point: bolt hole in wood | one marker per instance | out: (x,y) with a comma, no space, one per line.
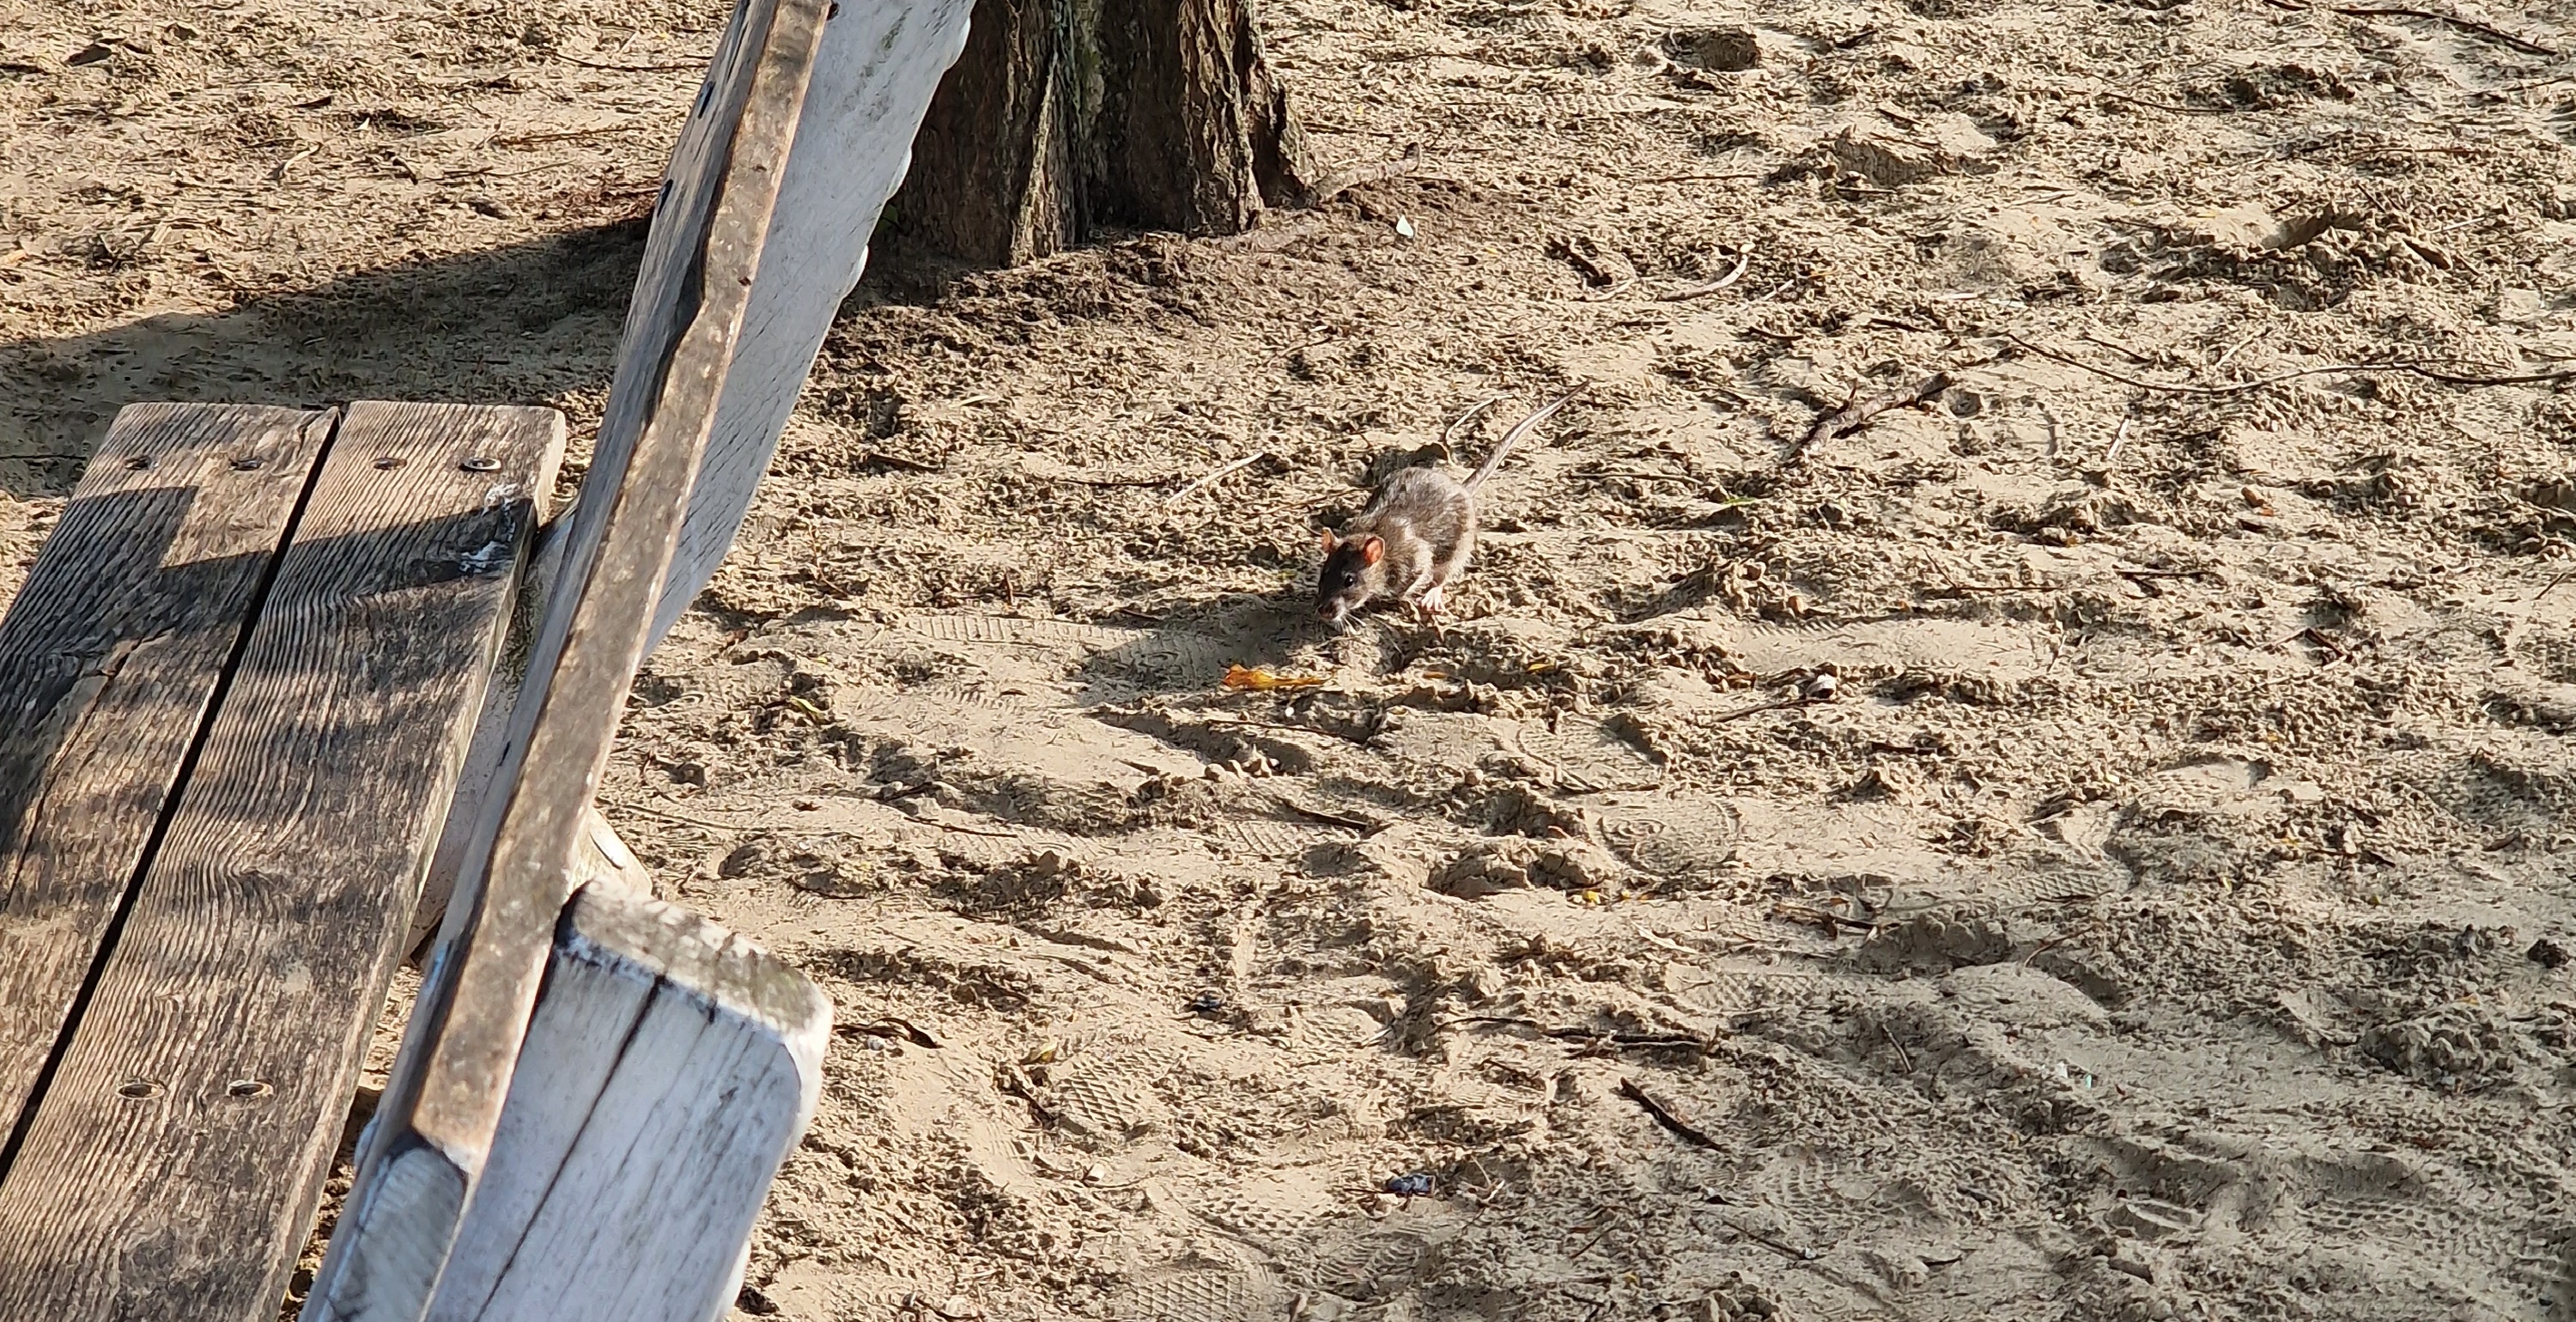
(141,1090)
(479,464)
(389,463)
(249,465)
(247,1088)
(141,463)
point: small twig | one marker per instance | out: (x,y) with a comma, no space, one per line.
(1111,481)
(531,139)
(683,67)
(2328,645)
(1688,1132)
(279,174)
(2166,106)
(1703,178)
(2111,458)
(681,818)
(1759,708)
(2428,371)
(1450,433)
(1901,1057)
(1854,416)
(1203,483)
(1347,823)
(1742,260)
(2400,11)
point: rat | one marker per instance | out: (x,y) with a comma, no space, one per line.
(1414,538)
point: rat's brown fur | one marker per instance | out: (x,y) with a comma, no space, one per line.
(1415,537)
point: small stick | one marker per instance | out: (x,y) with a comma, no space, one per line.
(1901,1057)
(2426,370)
(2401,11)
(1203,483)
(2112,459)
(1690,1133)
(632,68)
(1852,417)
(1742,260)
(531,139)
(2165,106)
(1451,433)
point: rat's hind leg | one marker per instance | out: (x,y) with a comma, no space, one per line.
(1446,570)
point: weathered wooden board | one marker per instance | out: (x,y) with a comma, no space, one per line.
(873,80)
(670,1068)
(433,1128)
(108,658)
(175,1158)
(873,77)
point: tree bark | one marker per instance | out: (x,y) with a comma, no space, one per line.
(1065,115)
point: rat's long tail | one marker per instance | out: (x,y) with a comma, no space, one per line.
(1510,438)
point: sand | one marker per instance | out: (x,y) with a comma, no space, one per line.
(2091,846)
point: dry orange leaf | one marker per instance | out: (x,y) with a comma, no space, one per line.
(1258,679)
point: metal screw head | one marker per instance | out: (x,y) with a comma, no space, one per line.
(389,463)
(479,464)
(249,465)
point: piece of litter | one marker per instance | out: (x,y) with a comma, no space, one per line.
(1259,679)
(482,560)
(1404,227)
(1409,1186)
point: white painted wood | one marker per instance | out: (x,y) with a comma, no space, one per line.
(873,79)
(719,336)
(872,83)
(671,1066)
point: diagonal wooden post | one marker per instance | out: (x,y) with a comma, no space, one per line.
(798,136)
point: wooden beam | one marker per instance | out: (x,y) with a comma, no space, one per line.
(176,1157)
(709,287)
(433,1127)
(671,1066)
(874,77)
(108,659)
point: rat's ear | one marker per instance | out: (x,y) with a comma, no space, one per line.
(1372,550)
(1330,541)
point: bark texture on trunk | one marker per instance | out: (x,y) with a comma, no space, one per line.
(1066,114)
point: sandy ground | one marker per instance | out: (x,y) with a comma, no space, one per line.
(2158,913)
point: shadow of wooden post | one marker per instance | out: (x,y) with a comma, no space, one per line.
(505,1174)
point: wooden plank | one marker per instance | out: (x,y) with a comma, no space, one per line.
(704,270)
(874,75)
(433,1127)
(669,1069)
(873,80)
(108,658)
(176,1157)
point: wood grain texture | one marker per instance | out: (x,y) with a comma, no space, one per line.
(449,1081)
(873,80)
(176,1158)
(108,658)
(671,1066)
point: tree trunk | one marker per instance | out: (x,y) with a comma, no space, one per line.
(1066,114)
